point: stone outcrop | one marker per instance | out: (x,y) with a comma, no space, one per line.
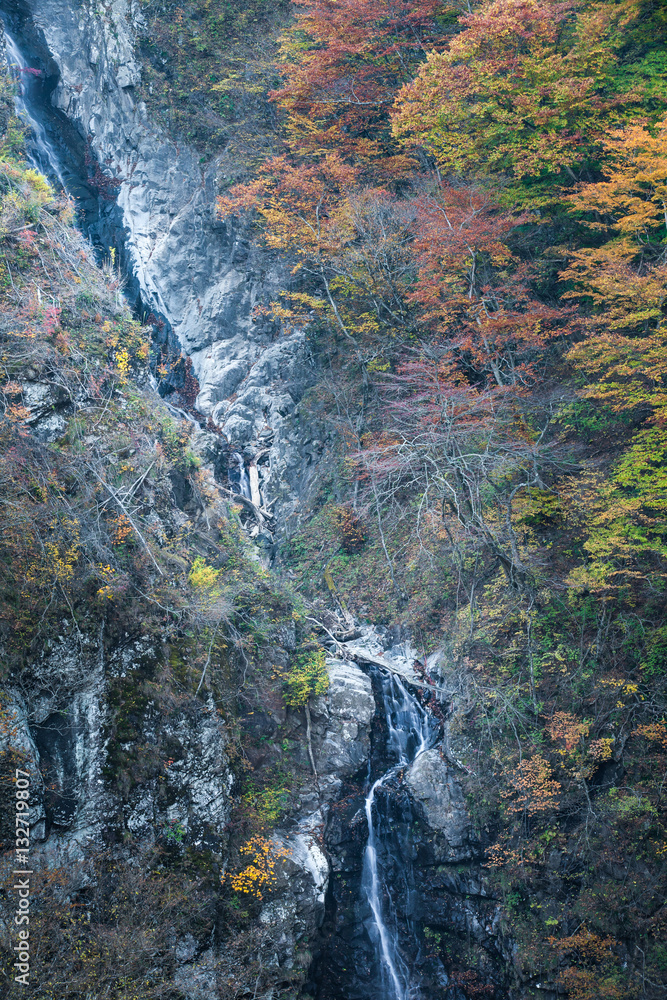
(440,804)
(198,785)
(61,725)
(342,721)
(292,918)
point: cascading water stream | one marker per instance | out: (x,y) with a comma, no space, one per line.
(42,155)
(244,481)
(409,734)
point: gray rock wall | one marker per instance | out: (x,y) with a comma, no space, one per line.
(343,717)
(60,711)
(341,746)
(188,267)
(437,794)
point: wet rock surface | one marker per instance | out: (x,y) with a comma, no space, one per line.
(340,739)
(293,917)
(429,866)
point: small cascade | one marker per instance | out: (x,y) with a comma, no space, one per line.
(238,476)
(409,733)
(42,153)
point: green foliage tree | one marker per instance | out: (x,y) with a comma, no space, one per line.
(527,88)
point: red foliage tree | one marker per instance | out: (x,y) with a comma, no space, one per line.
(474,292)
(344,61)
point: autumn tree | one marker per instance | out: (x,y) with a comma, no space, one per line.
(524,88)
(263,858)
(342,64)
(351,251)
(474,293)
(466,422)
(622,286)
(590,967)
(532,789)
(459,455)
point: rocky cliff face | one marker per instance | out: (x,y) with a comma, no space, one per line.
(197,276)
(432,886)
(76,715)
(341,747)
(62,711)
(440,806)
(60,722)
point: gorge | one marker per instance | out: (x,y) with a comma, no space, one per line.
(136,235)
(333,674)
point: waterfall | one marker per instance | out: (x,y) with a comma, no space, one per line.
(43,155)
(409,733)
(243,480)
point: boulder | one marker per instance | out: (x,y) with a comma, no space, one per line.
(342,720)
(439,802)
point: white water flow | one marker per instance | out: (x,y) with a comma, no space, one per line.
(44,157)
(408,735)
(244,481)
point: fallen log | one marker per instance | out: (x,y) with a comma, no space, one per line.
(263,517)
(362,656)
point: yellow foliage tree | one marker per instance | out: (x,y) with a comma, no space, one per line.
(623,286)
(625,280)
(260,875)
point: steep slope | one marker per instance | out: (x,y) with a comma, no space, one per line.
(429,325)
(198,281)
(145,653)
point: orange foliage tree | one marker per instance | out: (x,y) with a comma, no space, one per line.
(532,790)
(622,285)
(624,282)
(590,967)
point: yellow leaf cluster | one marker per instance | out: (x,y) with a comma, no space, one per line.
(260,875)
